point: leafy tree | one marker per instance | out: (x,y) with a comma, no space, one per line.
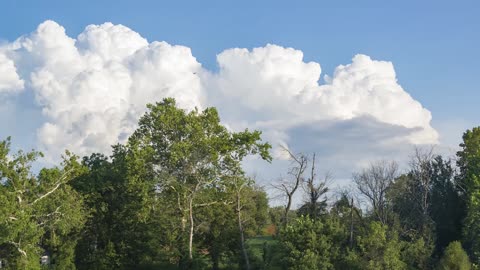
(416,253)
(187,154)
(469,165)
(379,248)
(38,214)
(455,258)
(312,244)
(119,232)
(447,209)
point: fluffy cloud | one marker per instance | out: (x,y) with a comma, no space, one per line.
(9,79)
(273,89)
(92,89)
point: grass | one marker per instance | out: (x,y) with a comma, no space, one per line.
(264,253)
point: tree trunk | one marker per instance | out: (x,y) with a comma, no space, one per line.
(287,209)
(190,239)
(242,237)
(351,224)
(215,260)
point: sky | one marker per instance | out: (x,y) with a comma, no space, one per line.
(354,82)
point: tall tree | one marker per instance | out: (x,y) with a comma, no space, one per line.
(447,209)
(115,235)
(469,165)
(187,153)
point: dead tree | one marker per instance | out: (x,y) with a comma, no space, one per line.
(315,189)
(373,184)
(290,185)
(421,175)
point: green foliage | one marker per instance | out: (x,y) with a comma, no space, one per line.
(312,244)
(445,209)
(176,197)
(416,254)
(190,158)
(380,248)
(39,214)
(455,258)
(469,164)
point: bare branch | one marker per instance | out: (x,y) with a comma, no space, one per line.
(373,183)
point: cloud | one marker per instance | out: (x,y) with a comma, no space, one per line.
(9,79)
(92,89)
(274,84)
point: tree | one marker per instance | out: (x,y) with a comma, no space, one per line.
(312,244)
(288,187)
(349,215)
(444,205)
(116,232)
(422,175)
(379,248)
(315,189)
(239,185)
(455,258)
(187,153)
(447,209)
(469,165)
(38,212)
(373,184)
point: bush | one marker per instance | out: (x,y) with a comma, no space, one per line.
(455,258)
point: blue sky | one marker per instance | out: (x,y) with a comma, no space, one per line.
(433,46)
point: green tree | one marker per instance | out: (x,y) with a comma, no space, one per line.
(187,154)
(312,244)
(447,209)
(469,165)
(39,213)
(455,258)
(379,248)
(119,233)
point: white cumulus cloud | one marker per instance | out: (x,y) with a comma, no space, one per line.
(93,88)
(9,79)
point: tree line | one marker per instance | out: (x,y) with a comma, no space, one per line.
(175,196)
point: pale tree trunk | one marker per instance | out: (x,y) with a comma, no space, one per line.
(190,239)
(240,228)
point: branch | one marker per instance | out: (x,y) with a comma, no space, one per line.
(23,252)
(212,203)
(53,190)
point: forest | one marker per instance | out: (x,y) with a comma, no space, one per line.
(176,196)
